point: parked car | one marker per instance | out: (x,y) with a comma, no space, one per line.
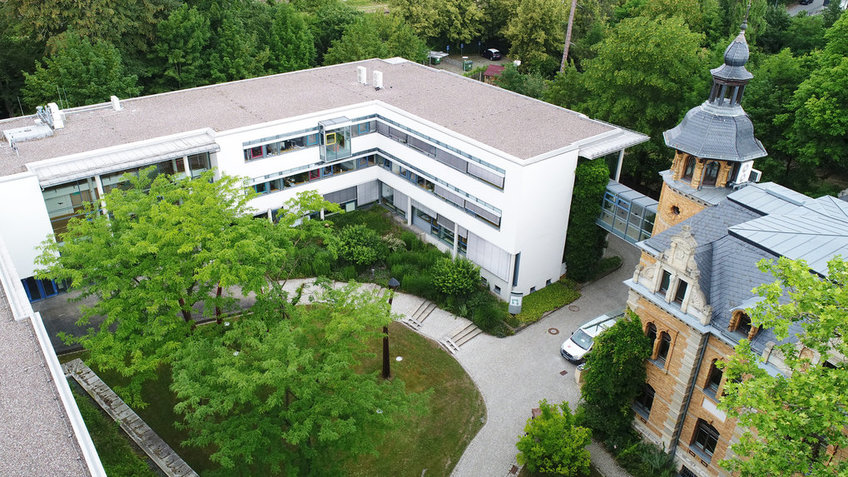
(580,343)
(805,2)
(492,54)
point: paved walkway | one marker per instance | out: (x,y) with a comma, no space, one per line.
(515,373)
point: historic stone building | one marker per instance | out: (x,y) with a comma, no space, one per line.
(697,271)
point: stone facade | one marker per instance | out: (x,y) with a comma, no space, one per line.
(674,208)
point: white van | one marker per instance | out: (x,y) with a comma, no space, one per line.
(575,348)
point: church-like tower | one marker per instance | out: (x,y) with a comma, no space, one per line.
(715,144)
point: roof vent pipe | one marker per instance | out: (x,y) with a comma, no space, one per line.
(361,75)
(378,80)
(116,103)
(56,114)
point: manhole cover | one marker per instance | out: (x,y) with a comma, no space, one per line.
(573,308)
(553,331)
(563,372)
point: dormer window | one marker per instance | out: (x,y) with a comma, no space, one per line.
(666,281)
(680,293)
(689,168)
(711,174)
(741,324)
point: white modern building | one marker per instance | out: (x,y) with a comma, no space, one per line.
(477,170)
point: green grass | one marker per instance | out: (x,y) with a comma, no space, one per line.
(434,441)
(593,472)
(118,455)
(553,296)
(367,6)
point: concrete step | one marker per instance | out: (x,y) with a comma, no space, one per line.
(411,323)
(426,312)
(449,345)
(469,336)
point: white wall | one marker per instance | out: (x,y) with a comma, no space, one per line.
(24,219)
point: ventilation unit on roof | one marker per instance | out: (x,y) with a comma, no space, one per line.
(362,75)
(56,113)
(378,80)
(116,103)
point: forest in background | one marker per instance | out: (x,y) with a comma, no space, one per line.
(640,64)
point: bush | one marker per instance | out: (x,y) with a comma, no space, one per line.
(456,278)
(358,244)
(553,444)
(347,273)
(322,263)
(411,240)
(553,296)
(585,240)
(642,459)
(420,284)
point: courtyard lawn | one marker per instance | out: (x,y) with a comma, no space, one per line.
(554,296)
(434,441)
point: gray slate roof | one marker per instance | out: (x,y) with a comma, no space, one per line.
(735,57)
(718,132)
(760,221)
(709,195)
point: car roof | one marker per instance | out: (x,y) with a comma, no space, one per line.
(493,49)
(596,326)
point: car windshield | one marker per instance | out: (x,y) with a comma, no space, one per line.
(581,339)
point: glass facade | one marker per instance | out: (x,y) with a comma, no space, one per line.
(627,213)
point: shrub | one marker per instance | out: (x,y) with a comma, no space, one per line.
(420,284)
(642,459)
(322,263)
(411,240)
(393,243)
(347,273)
(357,244)
(553,444)
(455,277)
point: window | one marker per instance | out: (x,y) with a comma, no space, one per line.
(665,345)
(666,281)
(680,293)
(711,173)
(547,282)
(685,472)
(497,289)
(713,380)
(741,324)
(651,332)
(689,168)
(645,401)
(675,210)
(705,439)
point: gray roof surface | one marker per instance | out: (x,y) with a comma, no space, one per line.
(759,221)
(35,435)
(512,123)
(715,131)
(735,57)
(710,195)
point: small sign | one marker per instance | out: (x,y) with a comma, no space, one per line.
(515,302)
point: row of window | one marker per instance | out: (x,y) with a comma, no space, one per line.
(680,287)
(704,438)
(396,167)
(280,147)
(442,232)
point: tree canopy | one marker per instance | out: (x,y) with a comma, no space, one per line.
(377,36)
(553,444)
(794,421)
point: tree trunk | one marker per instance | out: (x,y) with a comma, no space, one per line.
(218,305)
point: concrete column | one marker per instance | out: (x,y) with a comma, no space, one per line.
(408,210)
(185,165)
(455,240)
(618,167)
(100,193)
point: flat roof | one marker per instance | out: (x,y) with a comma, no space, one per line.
(36,437)
(517,125)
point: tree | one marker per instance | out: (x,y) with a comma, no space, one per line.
(357,244)
(328,20)
(181,40)
(536,34)
(584,242)
(284,390)
(613,377)
(291,43)
(441,21)
(79,72)
(634,82)
(166,247)
(553,444)
(793,421)
(235,51)
(531,84)
(457,277)
(17,55)
(377,36)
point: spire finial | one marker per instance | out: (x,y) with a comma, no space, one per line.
(744,25)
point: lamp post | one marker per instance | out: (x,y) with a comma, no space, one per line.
(393,286)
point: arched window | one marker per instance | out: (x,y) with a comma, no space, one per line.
(713,380)
(665,346)
(689,168)
(651,332)
(645,401)
(705,438)
(741,323)
(711,173)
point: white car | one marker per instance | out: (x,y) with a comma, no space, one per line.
(575,348)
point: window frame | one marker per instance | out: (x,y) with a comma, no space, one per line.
(703,433)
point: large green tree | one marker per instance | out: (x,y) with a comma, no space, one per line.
(635,81)
(613,377)
(537,34)
(235,52)
(291,43)
(167,248)
(442,21)
(793,421)
(553,444)
(81,71)
(285,391)
(377,36)
(181,41)
(17,55)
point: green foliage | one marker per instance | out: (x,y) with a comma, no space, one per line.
(235,52)
(180,43)
(456,277)
(167,245)
(82,71)
(441,21)
(328,20)
(537,34)
(289,375)
(291,43)
(642,459)
(357,244)
(792,420)
(532,84)
(584,242)
(377,36)
(553,444)
(613,376)
(113,446)
(552,297)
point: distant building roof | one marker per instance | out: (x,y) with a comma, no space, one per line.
(493,70)
(519,126)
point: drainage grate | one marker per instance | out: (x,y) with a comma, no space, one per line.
(573,308)
(553,331)
(563,372)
